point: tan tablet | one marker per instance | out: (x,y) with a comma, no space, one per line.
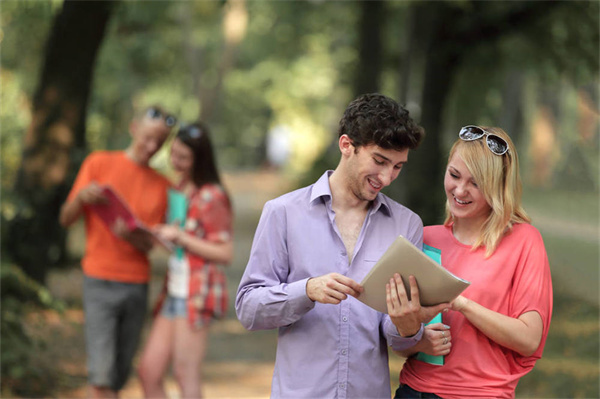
(436,284)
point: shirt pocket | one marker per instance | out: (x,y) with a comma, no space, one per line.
(364,263)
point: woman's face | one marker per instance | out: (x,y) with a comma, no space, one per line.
(464,196)
(182,157)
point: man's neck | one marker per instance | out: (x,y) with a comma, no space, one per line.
(131,155)
(342,197)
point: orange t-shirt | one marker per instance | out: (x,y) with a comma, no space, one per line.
(145,192)
(514,280)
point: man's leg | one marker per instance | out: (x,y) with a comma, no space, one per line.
(132,315)
(100,336)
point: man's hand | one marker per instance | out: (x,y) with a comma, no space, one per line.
(141,239)
(332,288)
(407,315)
(91,194)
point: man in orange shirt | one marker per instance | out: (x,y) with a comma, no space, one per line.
(115,264)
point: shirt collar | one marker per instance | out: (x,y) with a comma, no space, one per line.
(321,189)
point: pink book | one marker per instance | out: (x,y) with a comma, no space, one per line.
(116,208)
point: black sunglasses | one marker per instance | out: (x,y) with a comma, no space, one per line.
(191,131)
(496,144)
(155,113)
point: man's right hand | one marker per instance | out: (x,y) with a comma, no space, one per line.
(332,288)
(91,194)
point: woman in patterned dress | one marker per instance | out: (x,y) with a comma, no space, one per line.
(195,289)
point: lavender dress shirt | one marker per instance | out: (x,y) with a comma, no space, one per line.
(323,350)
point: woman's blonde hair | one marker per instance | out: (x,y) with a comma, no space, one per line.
(497,177)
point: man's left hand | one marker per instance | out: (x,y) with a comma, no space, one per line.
(407,315)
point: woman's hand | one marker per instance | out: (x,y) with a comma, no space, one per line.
(169,232)
(459,303)
(437,340)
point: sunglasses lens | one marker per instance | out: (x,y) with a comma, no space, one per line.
(154,113)
(170,120)
(194,132)
(496,144)
(469,133)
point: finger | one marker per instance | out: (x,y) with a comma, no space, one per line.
(353,288)
(397,299)
(388,298)
(414,290)
(400,287)
(335,290)
(436,326)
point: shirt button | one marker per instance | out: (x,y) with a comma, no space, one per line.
(342,386)
(344,351)
(344,319)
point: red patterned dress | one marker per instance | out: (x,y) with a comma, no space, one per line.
(208,217)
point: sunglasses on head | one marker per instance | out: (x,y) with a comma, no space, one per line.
(155,113)
(496,144)
(193,132)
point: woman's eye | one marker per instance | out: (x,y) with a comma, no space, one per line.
(453,175)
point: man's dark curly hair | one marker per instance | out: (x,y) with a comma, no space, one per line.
(377,119)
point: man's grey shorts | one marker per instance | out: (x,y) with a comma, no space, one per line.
(114,317)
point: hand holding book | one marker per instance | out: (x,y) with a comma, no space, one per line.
(120,220)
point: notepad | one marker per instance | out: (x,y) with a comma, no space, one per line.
(436,284)
(116,209)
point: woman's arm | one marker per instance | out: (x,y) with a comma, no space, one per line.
(218,252)
(522,335)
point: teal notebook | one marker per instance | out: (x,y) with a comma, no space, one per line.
(176,213)
(436,255)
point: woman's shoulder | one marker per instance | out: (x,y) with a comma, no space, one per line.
(522,235)
(210,192)
(433,234)
(524,230)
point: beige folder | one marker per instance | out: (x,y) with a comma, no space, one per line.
(436,284)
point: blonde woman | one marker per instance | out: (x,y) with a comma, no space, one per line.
(493,334)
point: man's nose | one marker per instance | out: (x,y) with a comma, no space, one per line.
(387,176)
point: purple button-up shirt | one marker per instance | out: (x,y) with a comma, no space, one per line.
(323,350)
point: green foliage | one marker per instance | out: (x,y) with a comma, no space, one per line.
(20,371)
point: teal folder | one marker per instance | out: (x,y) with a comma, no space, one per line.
(436,255)
(176,213)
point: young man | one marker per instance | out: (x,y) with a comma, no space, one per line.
(116,267)
(312,246)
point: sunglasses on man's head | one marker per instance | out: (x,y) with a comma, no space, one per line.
(155,113)
(496,144)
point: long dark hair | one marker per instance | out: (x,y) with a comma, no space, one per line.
(204,168)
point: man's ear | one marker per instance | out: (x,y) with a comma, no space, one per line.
(345,144)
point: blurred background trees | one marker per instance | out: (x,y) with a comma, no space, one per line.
(73,72)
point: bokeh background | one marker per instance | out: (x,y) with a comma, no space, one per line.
(272,79)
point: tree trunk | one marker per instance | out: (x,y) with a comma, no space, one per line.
(370,59)
(235,24)
(54,143)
